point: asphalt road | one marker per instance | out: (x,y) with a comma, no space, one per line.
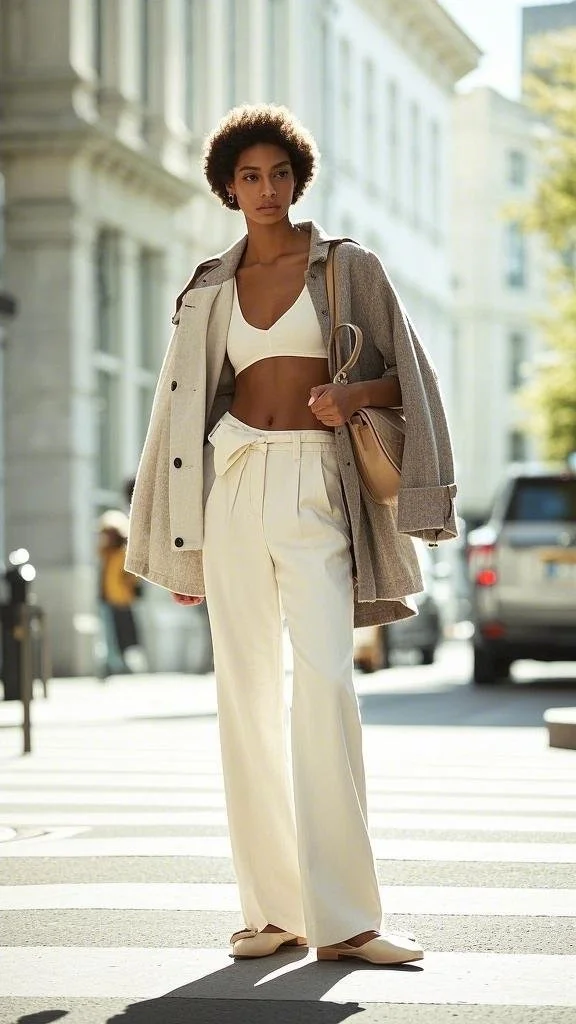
(117,894)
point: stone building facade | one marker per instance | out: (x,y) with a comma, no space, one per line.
(104,108)
(500,289)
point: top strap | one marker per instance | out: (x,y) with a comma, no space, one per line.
(341,376)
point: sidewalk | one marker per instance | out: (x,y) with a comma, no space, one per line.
(89,701)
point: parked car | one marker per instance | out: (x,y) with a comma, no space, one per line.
(522,566)
(373,645)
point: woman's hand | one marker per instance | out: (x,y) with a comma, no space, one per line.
(333,404)
(186,599)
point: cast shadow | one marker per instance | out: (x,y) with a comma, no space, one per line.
(239,994)
(509,704)
(42,1017)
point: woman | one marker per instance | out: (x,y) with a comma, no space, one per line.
(274,516)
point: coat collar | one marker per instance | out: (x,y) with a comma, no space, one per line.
(222,267)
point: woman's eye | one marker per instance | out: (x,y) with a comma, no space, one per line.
(249,177)
(282,174)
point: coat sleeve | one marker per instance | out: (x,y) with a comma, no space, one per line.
(149,551)
(427,488)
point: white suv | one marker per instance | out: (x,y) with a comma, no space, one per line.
(523,575)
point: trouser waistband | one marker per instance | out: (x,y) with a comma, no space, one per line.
(231,439)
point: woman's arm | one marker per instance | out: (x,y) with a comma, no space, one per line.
(383,393)
(334,404)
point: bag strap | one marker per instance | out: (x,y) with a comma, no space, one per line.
(341,376)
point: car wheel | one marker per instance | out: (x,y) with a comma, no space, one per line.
(364,666)
(378,655)
(503,668)
(428,654)
(485,671)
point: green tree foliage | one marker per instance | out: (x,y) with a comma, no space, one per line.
(551,92)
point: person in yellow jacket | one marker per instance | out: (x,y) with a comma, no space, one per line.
(119,591)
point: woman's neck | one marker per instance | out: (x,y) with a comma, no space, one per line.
(267,242)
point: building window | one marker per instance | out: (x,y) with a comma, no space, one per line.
(370,134)
(232,50)
(98,36)
(435,173)
(194,41)
(107,291)
(517,359)
(107,357)
(393,145)
(2,223)
(145,51)
(150,269)
(190,50)
(415,160)
(326,108)
(517,447)
(277,42)
(516,168)
(149,286)
(345,92)
(107,418)
(516,256)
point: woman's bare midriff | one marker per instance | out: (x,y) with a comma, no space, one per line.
(273,393)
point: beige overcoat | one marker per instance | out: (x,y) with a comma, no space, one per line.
(196,387)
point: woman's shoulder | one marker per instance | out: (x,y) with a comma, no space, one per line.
(358,259)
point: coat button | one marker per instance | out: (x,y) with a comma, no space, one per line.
(177,463)
(179,542)
(173,385)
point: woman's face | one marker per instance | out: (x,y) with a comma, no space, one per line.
(263,183)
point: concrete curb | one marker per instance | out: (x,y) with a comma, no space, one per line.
(561,725)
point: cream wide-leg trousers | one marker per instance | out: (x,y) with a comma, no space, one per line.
(276,537)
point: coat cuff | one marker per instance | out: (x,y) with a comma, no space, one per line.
(428,512)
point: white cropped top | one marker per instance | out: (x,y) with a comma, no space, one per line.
(296,333)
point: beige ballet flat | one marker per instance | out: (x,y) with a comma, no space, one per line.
(251,943)
(386,949)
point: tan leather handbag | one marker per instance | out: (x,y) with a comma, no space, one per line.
(377,435)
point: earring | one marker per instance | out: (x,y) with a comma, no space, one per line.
(231,198)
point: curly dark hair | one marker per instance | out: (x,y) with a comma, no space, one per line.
(247,126)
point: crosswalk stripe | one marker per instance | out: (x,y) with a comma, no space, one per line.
(219,846)
(208,761)
(144,973)
(119,797)
(396,784)
(126,764)
(213,897)
(378,819)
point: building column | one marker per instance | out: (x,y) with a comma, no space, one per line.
(49,440)
(119,67)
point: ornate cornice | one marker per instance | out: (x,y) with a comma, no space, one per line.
(72,118)
(144,171)
(425,27)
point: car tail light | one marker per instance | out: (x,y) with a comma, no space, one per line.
(493,630)
(486,578)
(481,558)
